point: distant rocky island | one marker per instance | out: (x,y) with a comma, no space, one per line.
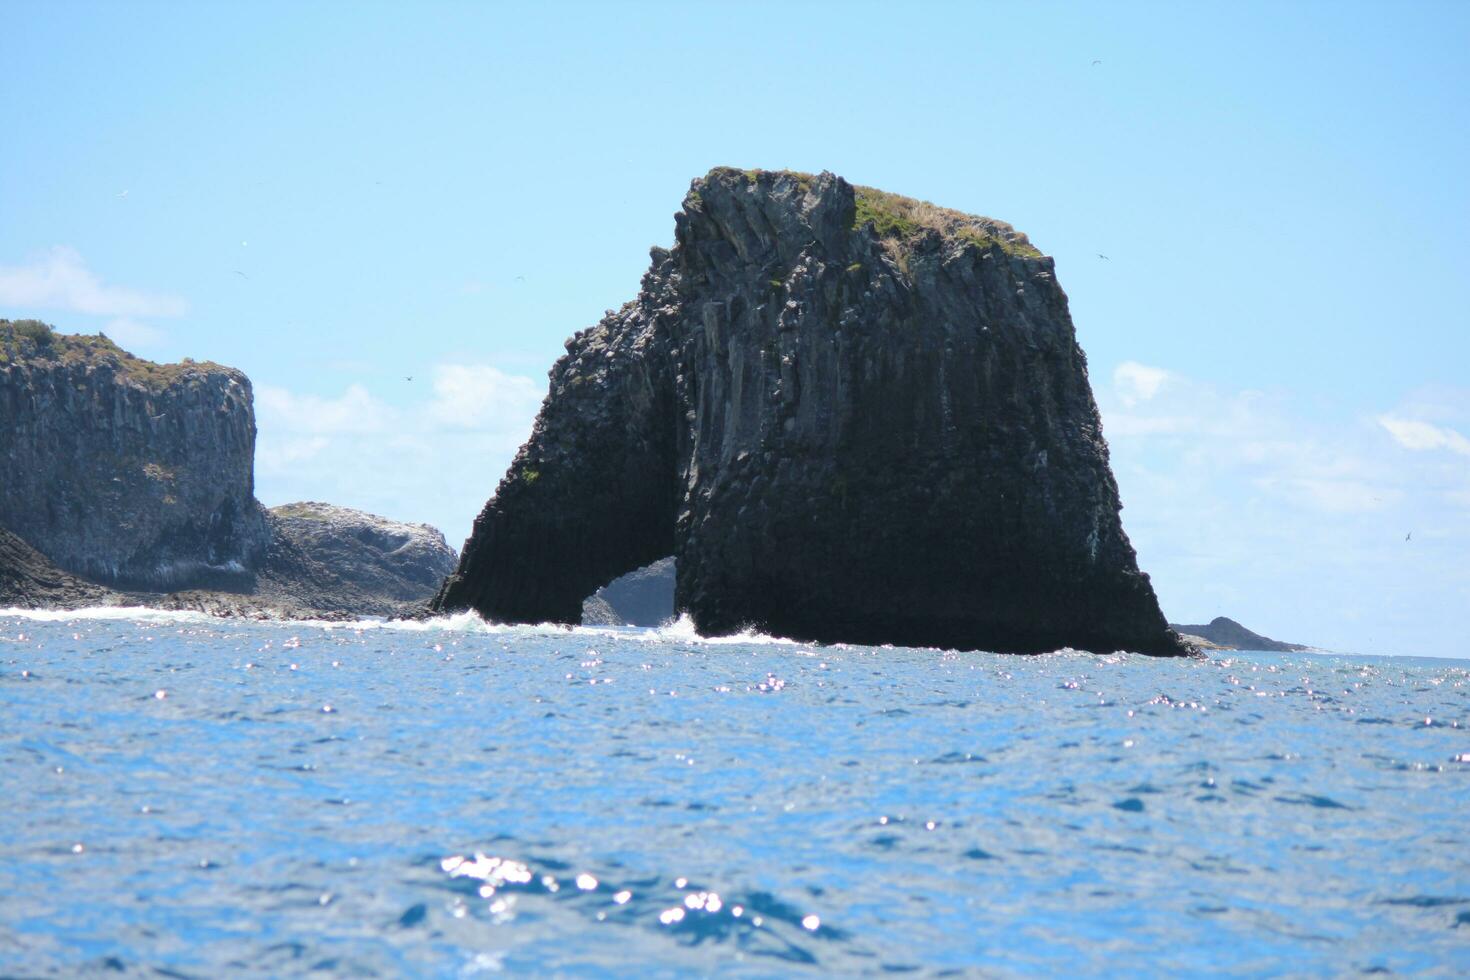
(849,415)
(643,597)
(130,482)
(1226,634)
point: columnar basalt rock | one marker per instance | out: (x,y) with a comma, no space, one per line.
(133,474)
(851,416)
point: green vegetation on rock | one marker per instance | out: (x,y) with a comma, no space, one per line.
(32,340)
(900,218)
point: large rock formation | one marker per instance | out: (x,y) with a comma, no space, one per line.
(129,482)
(133,474)
(852,416)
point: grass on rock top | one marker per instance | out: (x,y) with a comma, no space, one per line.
(32,340)
(897,217)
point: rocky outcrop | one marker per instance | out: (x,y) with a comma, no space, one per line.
(644,597)
(133,474)
(393,559)
(851,416)
(29,580)
(129,482)
(289,585)
(1226,634)
(597,611)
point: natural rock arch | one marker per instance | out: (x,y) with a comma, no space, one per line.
(851,416)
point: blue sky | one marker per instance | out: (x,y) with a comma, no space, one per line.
(337,197)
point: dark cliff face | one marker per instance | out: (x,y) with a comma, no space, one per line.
(852,417)
(130,473)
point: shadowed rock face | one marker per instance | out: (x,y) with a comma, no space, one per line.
(851,416)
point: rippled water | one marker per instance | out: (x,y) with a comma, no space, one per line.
(206,798)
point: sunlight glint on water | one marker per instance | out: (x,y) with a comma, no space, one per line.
(451,798)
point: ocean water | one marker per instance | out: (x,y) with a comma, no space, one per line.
(194,797)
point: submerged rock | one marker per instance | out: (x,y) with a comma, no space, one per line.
(851,416)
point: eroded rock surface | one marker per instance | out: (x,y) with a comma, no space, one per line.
(850,416)
(394,559)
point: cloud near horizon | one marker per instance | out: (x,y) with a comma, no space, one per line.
(436,460)
(59,279)
(1242,503)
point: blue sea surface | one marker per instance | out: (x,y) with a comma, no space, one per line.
(182,796)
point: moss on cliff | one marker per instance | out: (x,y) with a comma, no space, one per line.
(32,340)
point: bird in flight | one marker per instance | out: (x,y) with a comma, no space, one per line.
(1097,61)
(1103,257)
(1409,535)
(124,193)
(409,378)
(520,278)
(241,274)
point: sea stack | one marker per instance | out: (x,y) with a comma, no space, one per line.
(850,416)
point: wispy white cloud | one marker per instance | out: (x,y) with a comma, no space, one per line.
(1248,434)
(1137,382)
(1424,436)
(1291,519)
(59,279)
(355,411)
(436,459)
(133,334)
(480,397)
